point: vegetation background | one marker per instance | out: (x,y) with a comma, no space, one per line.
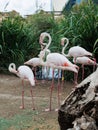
(19,37)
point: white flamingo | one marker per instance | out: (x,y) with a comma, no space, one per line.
(25,73)
(75,51)
(84,61)
(58,61)
(34,62)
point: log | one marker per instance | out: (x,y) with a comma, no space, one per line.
(79,111)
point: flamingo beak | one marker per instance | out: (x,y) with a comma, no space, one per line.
(25,63)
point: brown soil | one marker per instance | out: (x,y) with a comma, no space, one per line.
(10,100)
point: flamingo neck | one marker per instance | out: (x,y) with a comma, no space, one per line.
(47,46)
(67,42)
(42,61)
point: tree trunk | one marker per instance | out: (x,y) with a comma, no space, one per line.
(79,111)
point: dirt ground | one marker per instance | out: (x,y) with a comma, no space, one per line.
(14,118)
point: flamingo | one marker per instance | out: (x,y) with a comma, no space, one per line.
(75,51)
(25,73)
(62,43)
(84,61)
(56,61)
(34,62)
(42,37)
(45,51)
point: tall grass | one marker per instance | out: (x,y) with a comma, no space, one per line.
(81,26)
(16,41)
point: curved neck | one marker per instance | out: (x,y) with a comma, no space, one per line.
(42,62)
(12,68)
(63,49)
(47,44)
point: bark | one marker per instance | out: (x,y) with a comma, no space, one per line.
(79,111)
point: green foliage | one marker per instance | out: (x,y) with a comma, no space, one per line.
(44,22)
(16,43)
(81,25)
(19,37)
(41,21)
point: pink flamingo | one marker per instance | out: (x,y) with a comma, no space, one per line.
(84,61)
(75,51)
(25,73)
(34,62)
(62,43)
(58,61)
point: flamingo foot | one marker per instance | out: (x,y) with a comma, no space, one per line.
(21,107)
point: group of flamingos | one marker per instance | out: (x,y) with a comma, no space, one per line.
(55,61)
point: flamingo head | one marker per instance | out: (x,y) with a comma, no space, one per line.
(42,37)
(32,82)
(75,68)
(63,40)
(12,68)
(28,62)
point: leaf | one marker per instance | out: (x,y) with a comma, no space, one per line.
(95,43)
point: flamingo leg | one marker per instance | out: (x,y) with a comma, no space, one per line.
(35,74)
(22,106)
(51,89)
(43,78)
(75,76)
(59,88)
(62,84)
(33,106)
(47,73)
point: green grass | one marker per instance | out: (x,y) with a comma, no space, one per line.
(21,121)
